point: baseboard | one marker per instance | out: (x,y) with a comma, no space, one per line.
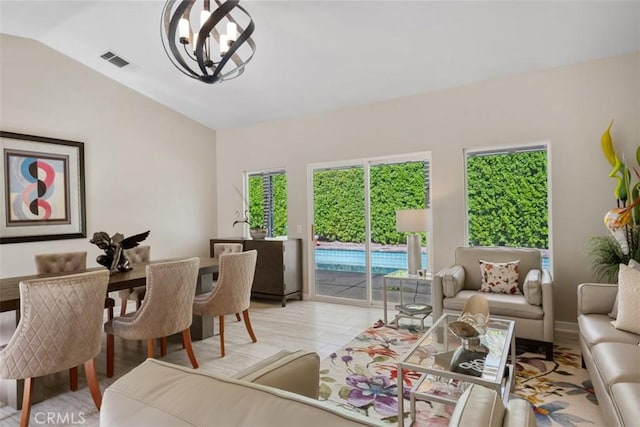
(566,326)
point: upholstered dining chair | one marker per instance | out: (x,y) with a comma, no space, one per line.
(69,262)
(165,310)
(136,255)
(51,337)
(226,248)
(232,293)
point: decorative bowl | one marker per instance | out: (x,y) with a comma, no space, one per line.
(258,233)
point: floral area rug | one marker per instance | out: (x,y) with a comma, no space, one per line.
(362,377)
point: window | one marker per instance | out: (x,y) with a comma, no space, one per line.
(508,198)
(268,202)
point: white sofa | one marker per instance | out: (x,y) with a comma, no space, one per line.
(532,311)
(279,392)
(611,356)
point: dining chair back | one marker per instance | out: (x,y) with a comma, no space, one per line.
(226,248)
(165,310)
(136,255)
(60,328)
(69,262)
(65,262)
(232,293)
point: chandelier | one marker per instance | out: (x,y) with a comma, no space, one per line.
(205,44)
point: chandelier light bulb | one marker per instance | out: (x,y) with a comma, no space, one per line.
(232,31)
(184,31)
(224,44)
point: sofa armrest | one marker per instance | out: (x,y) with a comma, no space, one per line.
(297,372)
(519,413)
(596,298)
(548,306)
(478,406)
(446,283)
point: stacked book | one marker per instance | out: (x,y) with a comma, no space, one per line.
(414,309)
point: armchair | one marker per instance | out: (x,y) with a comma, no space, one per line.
(532,309)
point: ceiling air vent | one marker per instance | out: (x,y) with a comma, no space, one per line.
(114,59)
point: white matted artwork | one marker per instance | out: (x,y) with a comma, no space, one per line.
(42,189)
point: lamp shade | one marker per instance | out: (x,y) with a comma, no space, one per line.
(411,220)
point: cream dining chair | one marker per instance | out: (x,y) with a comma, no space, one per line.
(136,255)
(60,328)
(165,310)
(232,293)
(69,262)
(226,248)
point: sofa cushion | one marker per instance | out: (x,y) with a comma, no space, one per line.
(478,406)
(614,311)
(158,394)
(297,372)
(628,318)
(499,277)
(617,362)
(499,305)
(626,397)
(597,328)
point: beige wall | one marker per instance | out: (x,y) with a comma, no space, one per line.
(147,167)
(569,107)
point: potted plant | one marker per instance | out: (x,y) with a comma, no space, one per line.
(623,222)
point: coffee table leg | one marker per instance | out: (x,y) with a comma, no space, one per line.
(400,397)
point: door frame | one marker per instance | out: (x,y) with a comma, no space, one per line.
(365,163)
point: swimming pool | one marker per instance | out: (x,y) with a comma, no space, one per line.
(383,262)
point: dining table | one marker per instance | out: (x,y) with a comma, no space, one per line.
(201,327)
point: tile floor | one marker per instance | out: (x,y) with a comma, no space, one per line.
(318,326)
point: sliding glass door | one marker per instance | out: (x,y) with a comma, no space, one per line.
(340,232)
(354,219)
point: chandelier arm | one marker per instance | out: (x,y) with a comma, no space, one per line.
(246,35)
(236,58)
(171,33)
(209,24)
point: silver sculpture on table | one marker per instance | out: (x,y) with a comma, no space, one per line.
(115,258)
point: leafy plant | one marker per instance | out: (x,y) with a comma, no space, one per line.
(623,222)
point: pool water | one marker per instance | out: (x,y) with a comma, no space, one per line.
(354,260)
(383,262)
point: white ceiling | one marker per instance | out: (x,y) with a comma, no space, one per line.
(314,56)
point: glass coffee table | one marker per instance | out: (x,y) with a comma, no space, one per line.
(448,367)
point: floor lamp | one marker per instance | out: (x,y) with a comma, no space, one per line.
(412,221)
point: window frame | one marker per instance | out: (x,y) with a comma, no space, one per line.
(511,148)
(263,172)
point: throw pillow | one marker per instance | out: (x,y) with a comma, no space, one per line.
(614,311)
(532,287)
(500,277)
(629,300)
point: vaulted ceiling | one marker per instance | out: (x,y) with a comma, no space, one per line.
(314,56)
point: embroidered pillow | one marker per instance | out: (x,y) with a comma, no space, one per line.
(629,291)
(500,277)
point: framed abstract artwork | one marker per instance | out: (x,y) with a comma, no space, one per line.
(42,189)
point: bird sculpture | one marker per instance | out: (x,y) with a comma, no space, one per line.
(115,258)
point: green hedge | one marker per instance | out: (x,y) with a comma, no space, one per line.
(507,199)
(339,201)
(256,208)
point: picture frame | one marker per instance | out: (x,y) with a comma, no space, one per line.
(42,189)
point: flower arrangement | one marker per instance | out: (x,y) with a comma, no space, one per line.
(623,222)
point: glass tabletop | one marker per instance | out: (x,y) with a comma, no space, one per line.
(440,352)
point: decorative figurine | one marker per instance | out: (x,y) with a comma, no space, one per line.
(114,258)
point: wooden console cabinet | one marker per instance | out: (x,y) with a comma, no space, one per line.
(278,268)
